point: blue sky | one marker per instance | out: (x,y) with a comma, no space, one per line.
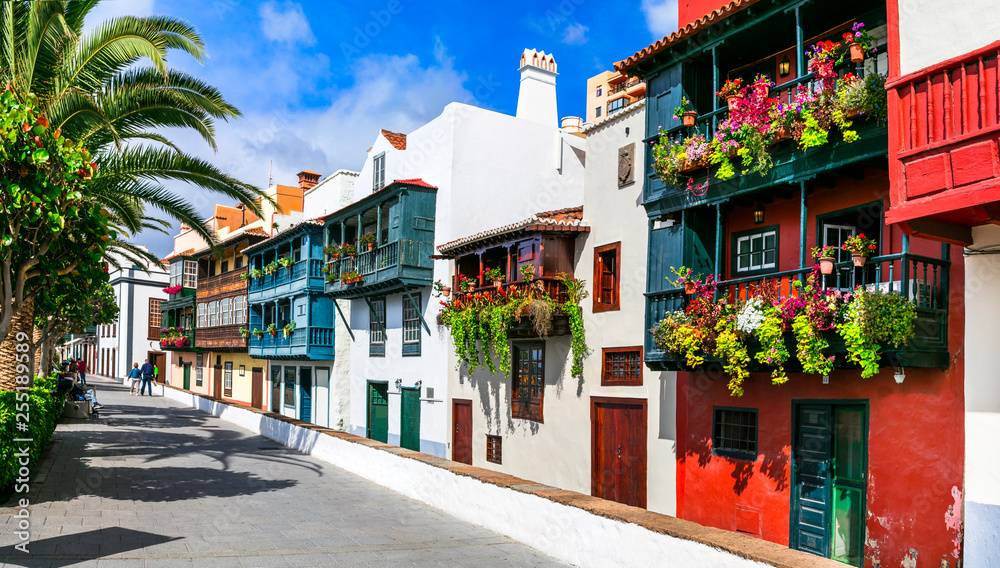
(316,79)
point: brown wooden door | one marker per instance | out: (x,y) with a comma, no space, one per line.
(618,442)
(257,388)
(461,442)
(217,382)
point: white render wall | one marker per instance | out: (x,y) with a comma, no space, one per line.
(333,193)
(133,290)
(931,31)
(616,215)
(490,170)
(982,401)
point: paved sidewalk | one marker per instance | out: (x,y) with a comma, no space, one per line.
(151,483)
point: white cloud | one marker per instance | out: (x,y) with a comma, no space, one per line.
(286,23)
(575,34)
(398,93)
(108,9)
(661,16)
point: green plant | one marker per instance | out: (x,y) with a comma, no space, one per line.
(876,317)
(685,107)
(289,327)
(273,327)
(332,277)
(367,239)
(255,273)
(828,251)
(773,352)
(258,333)
(676,333)
(285,261)
(527,272)
(733,352)
(271,268)
(730,88)
(858,35)
(860,245)
(350,277)
(332,250)
(492,274)
(244,333)
(348,250)
(43,411)
(810,344)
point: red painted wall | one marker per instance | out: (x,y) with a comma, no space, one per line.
(690,10)
(916,430)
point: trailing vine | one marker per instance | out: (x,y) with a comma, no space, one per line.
(810,344)
(771,336)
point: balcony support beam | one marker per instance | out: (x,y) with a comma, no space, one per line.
(803,220)
(378,225)
(420,312)
(343,318)
(800,50)
(718,240)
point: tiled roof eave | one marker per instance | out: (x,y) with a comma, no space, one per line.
(512,231)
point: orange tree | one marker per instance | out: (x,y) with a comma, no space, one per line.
(51,225)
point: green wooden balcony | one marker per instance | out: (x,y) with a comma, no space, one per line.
(923,280)
(389,268)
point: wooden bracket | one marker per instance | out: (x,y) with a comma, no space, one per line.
(938,231)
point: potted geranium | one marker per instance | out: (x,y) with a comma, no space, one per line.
(860,247)
(858,42)
(333,251)
(441,289)
(494,275)
(348,250)
(826,256)
(273,330)
(289,328)
(527,272)
(368,239)
(350,277)
(466,285)
(686,113)
(730,92)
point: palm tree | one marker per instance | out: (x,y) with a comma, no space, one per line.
(110,88)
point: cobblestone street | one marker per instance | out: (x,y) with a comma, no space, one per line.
(150,483)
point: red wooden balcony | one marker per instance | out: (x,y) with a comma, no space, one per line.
(943,135)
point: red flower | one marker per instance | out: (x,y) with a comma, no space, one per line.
(861,236)
(848,38)
(849,77)
(872,247)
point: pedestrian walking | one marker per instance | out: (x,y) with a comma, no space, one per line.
(81,368)
(135,375)
(147,378)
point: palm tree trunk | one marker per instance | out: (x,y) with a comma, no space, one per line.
(23,321)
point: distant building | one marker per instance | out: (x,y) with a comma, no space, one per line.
(611,91)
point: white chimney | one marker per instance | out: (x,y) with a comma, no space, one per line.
(536,100)
(572,124)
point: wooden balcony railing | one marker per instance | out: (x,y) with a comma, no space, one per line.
(222,337)
(549,286)
(299,271)
(223,284)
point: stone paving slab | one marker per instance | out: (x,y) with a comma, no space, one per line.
(151,483)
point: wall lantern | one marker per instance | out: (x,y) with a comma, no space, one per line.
(758,214)
(784,67)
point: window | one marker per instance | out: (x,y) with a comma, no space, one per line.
(213,314)
(225,312)
(378,172)
(528,381)
(755,251)
(621,366)
(734,433)
(176,273)
(202,315)
(411,326)
(199,371)
(155,319)
(494,449)
(240,310)
(190,274)
(290,386)
(600,89)
(597,112)
(238,262)
(225,266)
(376,323)
(606,277)
(227,379)
(616,105)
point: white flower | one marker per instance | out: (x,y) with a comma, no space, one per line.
(751,316)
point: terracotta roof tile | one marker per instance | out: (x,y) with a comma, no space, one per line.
(397,140)
(187,252)
(686,31)
(569,217)
(414,181)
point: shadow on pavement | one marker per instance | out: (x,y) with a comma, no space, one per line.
(70,549)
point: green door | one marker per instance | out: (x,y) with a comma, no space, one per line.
(378,411)
(409,422)
(828,496)
(187,376)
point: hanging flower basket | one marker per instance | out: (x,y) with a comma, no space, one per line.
(826,265)
(371,246)
(857,53)
(732,101)
(859,260)
(689,288)
(446,291)
(688,118)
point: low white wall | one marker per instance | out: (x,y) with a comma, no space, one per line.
(566,533)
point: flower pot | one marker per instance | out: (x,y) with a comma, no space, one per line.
(732,101)
(859,260)
(857,54)
(692,166)
(689,288)
(371,246)
(498,284)
(274,333)
(852,113)
(688,118)
(783,132)
(287,333)
(826,265)
(446,291)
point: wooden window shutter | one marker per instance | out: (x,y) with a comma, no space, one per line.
(607,277)
(154,319)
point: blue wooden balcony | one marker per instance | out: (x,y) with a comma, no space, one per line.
(923,280)
(388,268)
(303,276)
(304,343)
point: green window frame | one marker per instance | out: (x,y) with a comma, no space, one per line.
(734,432)
(755,251)
(290,381)
(376,328)
(411,325)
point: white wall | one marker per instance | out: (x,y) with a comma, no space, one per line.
(982,401)
(931,31)
(333,193)
(569,534)
(133,290)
